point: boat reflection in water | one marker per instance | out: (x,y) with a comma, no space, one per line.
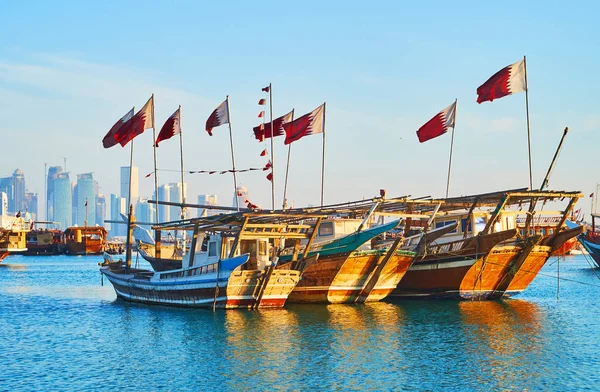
(505,339)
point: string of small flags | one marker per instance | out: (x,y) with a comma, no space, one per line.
(267,167)
(262,102)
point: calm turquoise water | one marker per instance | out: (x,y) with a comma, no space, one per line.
(61,330)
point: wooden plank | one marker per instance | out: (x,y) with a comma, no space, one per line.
(376,273)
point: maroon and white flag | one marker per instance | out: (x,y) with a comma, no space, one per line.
(266,89)
(438,125)
(262,101)
(509,80)
(309,124)
(171,128)
(142,120)
(218,117)
(263,131)
(110,140)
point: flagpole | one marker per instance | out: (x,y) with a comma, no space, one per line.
(528,129)
(237,204)
(451,147)
(181,153)
(157,232)
(323,160)
(272,149)
(287,169)
(129,209)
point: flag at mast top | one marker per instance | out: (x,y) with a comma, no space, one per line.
(509,80)
(219,116)
(309,124)
(439,124)
(171,127)
(136,125)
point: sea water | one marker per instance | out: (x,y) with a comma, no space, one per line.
(61,329)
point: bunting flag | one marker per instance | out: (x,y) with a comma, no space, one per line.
(142,120)
(267,166)
(509,80)
(262,101)
(218,117)
(261,114)
(309,124)
(263,152)
(270,176)
(263,131)
(109,140)
(265,89)
(171,128)
(250,206)
(438,125)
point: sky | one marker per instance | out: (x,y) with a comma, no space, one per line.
(69,70)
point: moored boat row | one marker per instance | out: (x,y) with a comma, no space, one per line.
(473,247)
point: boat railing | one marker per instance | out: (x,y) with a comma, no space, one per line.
(193,271)
(446,247)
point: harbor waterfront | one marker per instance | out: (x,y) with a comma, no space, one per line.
(63,330)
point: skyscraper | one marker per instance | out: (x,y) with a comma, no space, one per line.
(163,211)
(62,200)
(100,210)
(52,171)
(135,187)
(176,196)
(6,186)
(118,206)
(86,199)
(20,204)
(144,212)
(207,200)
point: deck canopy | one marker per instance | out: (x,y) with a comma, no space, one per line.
(403,207)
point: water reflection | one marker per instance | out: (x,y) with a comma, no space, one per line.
(505,338)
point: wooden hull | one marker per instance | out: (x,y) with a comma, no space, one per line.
(237,289)
(470,271)
(45,250)
(82,249)
(529,269)
(341,278)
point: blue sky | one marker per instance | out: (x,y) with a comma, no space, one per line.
(69,70)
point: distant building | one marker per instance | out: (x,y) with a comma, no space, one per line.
(6,186)
(31,204)
(176,195)
(85,195)
(52,172)
(145,212)
(19,202)
(3,203)
(164,194)
(135,187)
(62,200)
(100,210)
(242,195)
(118,206)
(207,200)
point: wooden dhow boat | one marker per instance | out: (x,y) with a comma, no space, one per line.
(45,242)
(171,254)
(85,240)
(231,264)
(590,240)
(13,232)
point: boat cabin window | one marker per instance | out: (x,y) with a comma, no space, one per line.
(445,223)
(262,248)
(212,249)
(326,229)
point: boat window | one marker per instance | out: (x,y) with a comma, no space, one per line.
(550,231)
(326,229)
(463,225)
(262,248)
(212,249)
(480,223)
(445,223)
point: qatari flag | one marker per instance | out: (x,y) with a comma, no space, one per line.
(109,140)
(438,125)
(263,131)
(142,120)
(171,128)
(309,124)
(218,117)
(509,80)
